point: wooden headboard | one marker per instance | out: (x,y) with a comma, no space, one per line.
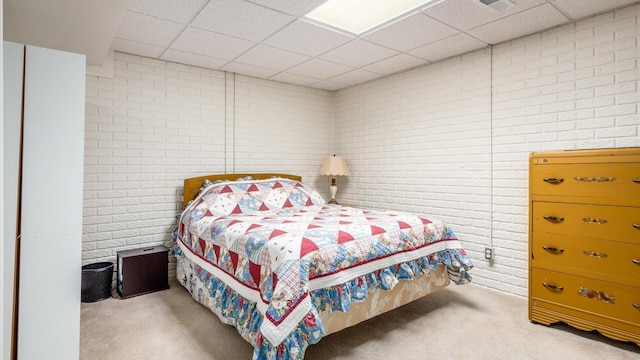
(193,185)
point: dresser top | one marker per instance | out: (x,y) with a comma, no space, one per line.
(620,155)
(589,152)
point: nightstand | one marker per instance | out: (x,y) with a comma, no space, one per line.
(143,270)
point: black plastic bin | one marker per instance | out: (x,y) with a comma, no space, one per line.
(96,281)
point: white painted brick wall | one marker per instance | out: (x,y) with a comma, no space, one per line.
(424,140)
(284,128)
(586,97)
(156,123)
(420,142)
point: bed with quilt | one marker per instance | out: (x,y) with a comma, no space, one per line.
(273,259)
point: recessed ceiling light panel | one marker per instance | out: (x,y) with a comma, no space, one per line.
(358,16)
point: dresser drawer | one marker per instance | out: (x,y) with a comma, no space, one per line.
(618,223)
(605,259)
(587,180)
(594,296)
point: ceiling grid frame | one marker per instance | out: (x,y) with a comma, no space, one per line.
(248,43)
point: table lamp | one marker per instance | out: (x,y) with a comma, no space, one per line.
(334,166)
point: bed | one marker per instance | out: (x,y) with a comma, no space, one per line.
(269,256)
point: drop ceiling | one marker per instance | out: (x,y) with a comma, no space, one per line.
(271,39)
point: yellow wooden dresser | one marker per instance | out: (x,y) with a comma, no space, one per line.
(584,240)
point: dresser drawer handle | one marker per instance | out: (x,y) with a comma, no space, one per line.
(595,221)
(636,261)
(553,250)
(553,180)
(594,179)
(554,219)
(597,295)
(636,180)
(637,306)
(637,226)
(595,254)
(553,287)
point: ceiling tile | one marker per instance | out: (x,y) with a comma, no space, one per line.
(583,8)
(206,43)
(329,85)
(411,32)
(358,53)
(82,27)
(241,19)
(249,70)
(147,29)
(294,79)
(451,46)
(277,59)
(291,7)
(181,11)
(524,23)
(136,48)
(213,33)
(354,77)
(306,38)
(319,69)
(193,59)
(466,14)
(395,64)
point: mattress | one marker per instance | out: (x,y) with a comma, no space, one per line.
(270,256)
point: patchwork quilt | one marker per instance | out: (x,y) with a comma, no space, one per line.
(277,253)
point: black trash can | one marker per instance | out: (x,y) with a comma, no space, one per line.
(96,281)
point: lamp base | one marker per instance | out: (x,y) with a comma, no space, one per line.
(333,189)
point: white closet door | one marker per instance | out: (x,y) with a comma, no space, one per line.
(12,113)
(51,230)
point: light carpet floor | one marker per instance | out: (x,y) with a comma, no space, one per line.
(459,322)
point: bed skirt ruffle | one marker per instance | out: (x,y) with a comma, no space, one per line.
(244,315)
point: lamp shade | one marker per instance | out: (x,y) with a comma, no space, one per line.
(334,165)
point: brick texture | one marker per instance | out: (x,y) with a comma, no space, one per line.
(450,139)
(426,141)
(156,123)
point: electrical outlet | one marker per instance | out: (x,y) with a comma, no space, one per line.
(488,253)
